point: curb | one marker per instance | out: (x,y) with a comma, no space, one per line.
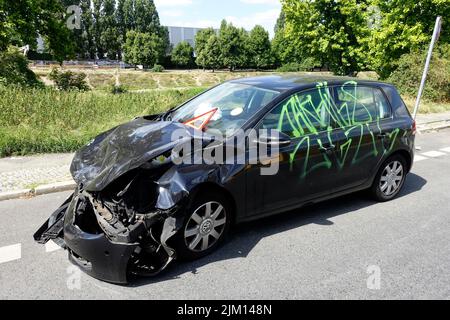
(54,187)
(40,190)
(15,194)
(435,125)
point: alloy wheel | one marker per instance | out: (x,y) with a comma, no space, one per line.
(391,178)
(205,226)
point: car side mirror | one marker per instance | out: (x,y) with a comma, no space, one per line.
(274,137)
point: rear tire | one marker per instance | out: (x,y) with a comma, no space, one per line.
(205,228)
(390,179)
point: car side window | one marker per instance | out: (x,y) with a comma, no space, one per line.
(382,104)
(301,114)
(360,104)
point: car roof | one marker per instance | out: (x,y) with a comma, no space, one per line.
(283,83)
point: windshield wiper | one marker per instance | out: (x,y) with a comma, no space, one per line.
(166,116)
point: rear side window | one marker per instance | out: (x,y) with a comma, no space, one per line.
(382,104)
(301,114)
(360,104)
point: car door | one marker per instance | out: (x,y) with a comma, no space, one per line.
(362,134)
(306,164)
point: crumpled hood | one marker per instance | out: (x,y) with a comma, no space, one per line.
(122,149)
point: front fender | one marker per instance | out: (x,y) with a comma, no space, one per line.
(179,182)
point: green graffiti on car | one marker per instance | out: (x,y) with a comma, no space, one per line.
(309,120)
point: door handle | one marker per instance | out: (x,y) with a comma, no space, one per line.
(328,149)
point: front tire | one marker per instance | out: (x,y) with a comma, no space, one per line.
(390,179)
(205,227)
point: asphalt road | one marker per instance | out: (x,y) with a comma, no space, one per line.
(335,250)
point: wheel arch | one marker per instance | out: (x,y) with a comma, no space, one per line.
(406,155)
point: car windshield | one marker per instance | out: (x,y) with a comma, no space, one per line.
(225,108)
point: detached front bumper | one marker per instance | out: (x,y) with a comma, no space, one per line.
(97,256)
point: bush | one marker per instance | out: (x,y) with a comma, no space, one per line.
(307,64)
(69,80)
(157,68)
(14,70)
(409,71)
(118,89)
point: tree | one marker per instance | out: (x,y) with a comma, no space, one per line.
(183,54)
(110,37)
(245,59)
(211,54)
(201,40)
(404,26)
(97,7)
(142,17)
(144,48)
(258,48)
(202,37)
(283,50)
(334,32)
(23,21)
(231,45)
(121,26)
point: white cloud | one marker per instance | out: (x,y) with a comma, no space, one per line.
(267,19)
(172,3)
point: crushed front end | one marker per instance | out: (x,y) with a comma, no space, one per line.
(117,232)
(120,218)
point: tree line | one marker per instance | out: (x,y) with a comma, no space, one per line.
(233,48)
(344,36)
(120,29)
(131,30)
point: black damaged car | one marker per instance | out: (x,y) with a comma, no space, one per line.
(135,210)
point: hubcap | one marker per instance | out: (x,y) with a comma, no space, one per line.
(205,226)
(392,178)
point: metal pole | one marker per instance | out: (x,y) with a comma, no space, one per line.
(437,31)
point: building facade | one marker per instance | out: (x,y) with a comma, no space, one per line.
(180,34)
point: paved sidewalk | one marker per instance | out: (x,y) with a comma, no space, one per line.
(26,175)
(433,121)
(18,173)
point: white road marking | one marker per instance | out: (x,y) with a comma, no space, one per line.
(446,149)
(433,154)
(51,246)
(419,158)
(10,253)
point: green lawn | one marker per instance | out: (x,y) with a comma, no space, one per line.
(39,121)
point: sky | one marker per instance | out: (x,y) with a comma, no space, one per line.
(209,13)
